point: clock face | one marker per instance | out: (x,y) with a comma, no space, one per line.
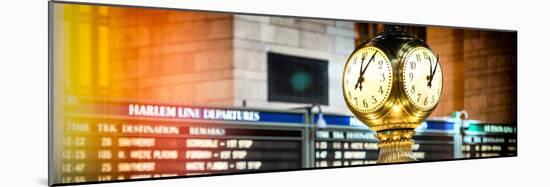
(422,78)
(367,79)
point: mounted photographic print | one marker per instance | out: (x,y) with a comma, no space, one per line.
(147,93)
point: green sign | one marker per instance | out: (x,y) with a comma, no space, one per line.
(492,128)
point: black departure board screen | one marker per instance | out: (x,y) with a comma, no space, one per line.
(345,142)
(345,147)
(489,140)
(433,146)
(148,141)
(436,140)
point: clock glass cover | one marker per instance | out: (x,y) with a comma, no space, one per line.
(422,80)
(367,79)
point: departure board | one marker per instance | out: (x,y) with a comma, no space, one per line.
(436,140)
(347,142)
(489,140)
(345,147)
(113,140)
(132,141)
(433,146)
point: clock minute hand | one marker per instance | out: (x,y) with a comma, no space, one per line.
(430,59)
(360,71)
(433,72)
(436,63)
(370,60)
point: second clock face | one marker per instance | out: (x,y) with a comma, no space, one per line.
(367,79)
(422,78)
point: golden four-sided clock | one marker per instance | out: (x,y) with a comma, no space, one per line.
(392,83)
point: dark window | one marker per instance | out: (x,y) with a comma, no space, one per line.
(297,79)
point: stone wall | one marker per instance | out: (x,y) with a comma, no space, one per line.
(175,57)
(480,69)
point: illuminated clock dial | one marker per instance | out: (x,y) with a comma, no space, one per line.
(422,78)
(367,79)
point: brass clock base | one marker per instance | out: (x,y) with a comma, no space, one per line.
(395,146)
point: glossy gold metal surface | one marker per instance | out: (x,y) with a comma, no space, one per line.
(395,146)
(395,119)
